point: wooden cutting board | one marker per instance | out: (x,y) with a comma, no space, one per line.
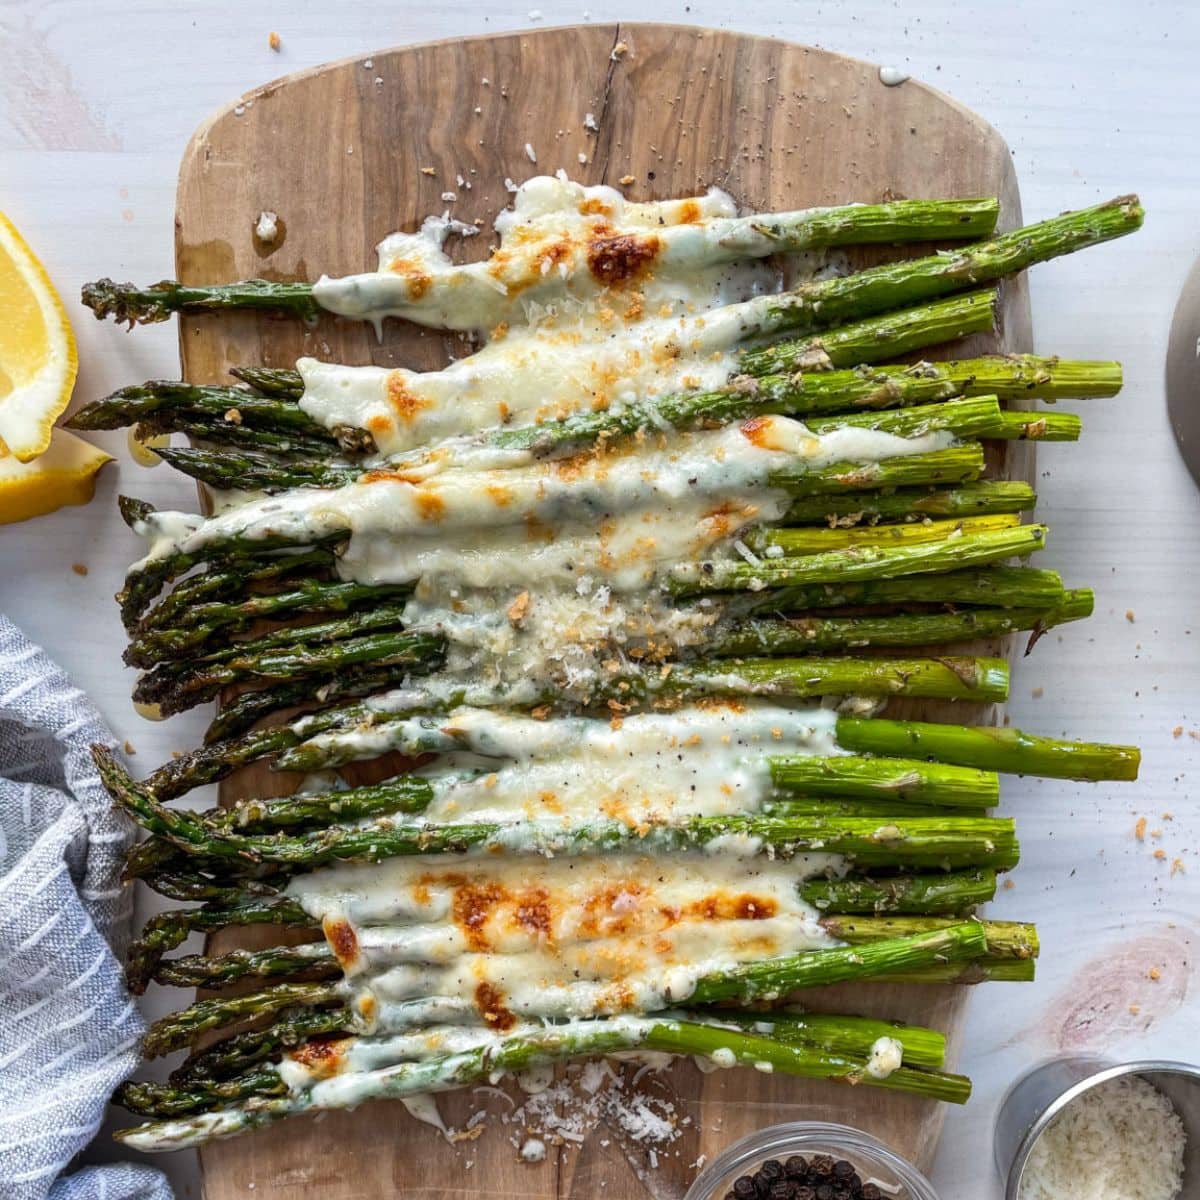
(352,151)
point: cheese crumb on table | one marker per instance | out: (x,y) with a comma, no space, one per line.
(1121,1140)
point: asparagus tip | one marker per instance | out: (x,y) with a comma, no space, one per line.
(126,303)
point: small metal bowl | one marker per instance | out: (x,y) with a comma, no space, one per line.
(871,1159)
(1037,1098)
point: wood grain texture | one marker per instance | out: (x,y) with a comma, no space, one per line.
(338,154)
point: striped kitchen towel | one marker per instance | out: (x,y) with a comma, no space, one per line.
(68,1027)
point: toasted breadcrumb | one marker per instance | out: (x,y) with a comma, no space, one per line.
(233,416)
(518,608)
(1129,615)
(1139,830)
(1160,854)
(1177,732)
(1154,973)
(273,40)
(626,180)
(1176,866)
(128,747)
(428,171)
(79,568)
(1135,1009)
(619,51)
(1038,693)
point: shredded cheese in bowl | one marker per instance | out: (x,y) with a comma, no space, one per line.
(1121,1140)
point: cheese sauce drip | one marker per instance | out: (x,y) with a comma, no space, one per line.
(608,934)
(694,762)
(589,303)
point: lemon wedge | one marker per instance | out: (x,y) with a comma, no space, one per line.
(64,474)
(37,350)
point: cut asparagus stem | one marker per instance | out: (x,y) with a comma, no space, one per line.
(775,978)
(819,635)
(829,302)
(980,970)
(995,749)
(1007,587)
(814,393)
(943,892)
(913,504)
(859,563)
(1039,427)
(1005,939)
(803,540)
(729,238)
(840,1034)
(851,777)
(956,464)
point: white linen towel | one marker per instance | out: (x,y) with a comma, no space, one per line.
(68,1026)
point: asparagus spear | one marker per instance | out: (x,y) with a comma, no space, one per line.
(173,1100)
(913,504)
(943,892)
(945,678)
(849,776)
(238,715)
(994,748)
(818,634)
(818,541)
(937,942)
(730,238)
(859,562)
(201,621)
(1007,587)
(933,841)
(173,690)
(880,289)
(271,381)
(381,616)
(541,1047)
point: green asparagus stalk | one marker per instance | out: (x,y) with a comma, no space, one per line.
(1000,587)
(913,504)
(238,715)
(380,616)
(166,930)
(829,302)
(1039,427)
(1004,939)
(933,841)
(942,892)
(175,690)
(859,563)
(819,635)
(201,621)
(401,794)
(851,777)
(271,381)
(308,960)
(803,540)
(234,1054)
(541,1048)
(172,1100)
(944,678)
(990,748)
(893,222)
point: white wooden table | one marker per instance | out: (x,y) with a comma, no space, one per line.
(98,99)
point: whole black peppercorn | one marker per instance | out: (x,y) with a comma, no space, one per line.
(782,1189)
(825,1192)
(796,1166)
(744,1189)
(870,1192)
(821,1165)
(805,1193)
(772,1169)
(842,1169)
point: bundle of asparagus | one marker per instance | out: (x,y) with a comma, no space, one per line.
(589,627)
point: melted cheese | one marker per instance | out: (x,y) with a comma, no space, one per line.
(578,937)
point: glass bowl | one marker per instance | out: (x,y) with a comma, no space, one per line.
(874,1161)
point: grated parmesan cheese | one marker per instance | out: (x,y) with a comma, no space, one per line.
(1122,1140)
